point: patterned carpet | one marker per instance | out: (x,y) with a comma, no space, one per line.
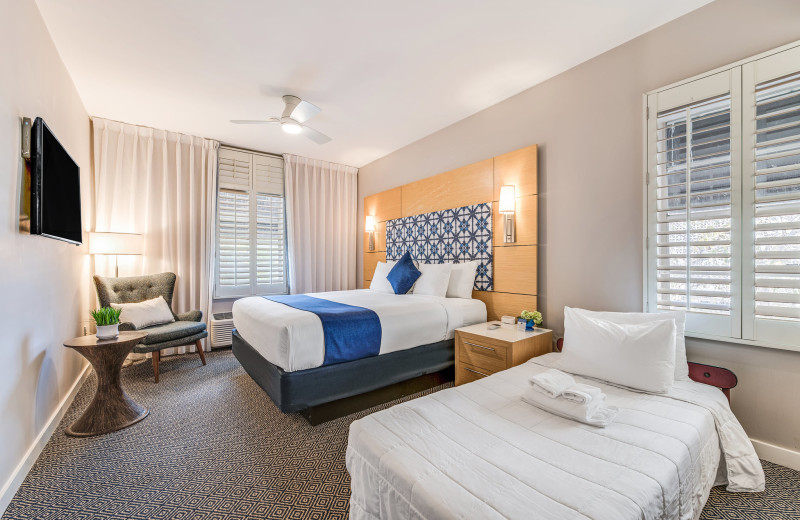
(215,447)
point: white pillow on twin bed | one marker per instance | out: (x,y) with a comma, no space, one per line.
(434,280)
(379,281)
(636,355)
(462,279)
(146,313)
(681,364)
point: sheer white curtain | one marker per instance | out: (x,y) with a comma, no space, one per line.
(162,185)
(321,208)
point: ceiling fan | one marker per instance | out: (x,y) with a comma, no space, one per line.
(295,114)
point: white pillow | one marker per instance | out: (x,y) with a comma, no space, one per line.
(146,313)
(635,355)
(379,281)
(681,364)
(462,279)
(434,279)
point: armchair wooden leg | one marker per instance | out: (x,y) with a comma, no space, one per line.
(200,351)
(156,359)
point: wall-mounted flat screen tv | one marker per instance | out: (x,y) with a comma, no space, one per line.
(55,188)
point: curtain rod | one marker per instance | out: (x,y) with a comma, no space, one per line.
(236,148)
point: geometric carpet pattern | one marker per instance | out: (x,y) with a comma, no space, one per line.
(780,499)
(215,447)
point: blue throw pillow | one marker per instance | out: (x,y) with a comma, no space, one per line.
(403,275)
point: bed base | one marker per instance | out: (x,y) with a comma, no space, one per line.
(719,377)
(336,385)
(329,411)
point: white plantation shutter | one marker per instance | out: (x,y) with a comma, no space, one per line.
(251,235)
(270,228)
(233,243)
(234,170)
(693,203)
(269,174)
(723,201)
(271,242)
(771,165)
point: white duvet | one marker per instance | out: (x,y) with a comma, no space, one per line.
(478,451)
(293,339)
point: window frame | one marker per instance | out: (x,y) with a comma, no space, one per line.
(649,242)
(221,292)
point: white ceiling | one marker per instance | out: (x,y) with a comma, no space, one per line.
(384,73)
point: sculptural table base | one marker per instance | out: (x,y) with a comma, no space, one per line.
(111,408)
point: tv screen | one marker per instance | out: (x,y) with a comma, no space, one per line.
(55,188)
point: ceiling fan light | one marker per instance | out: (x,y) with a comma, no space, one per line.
(291,128)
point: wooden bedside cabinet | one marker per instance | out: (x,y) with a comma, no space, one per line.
(481,352)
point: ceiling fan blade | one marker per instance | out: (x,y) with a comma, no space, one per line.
(253,121)
(314,135)
(299,110)
(305,111)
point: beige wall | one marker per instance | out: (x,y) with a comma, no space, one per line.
(588,124)
(43,282)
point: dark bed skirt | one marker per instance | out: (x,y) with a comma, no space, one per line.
(296,391)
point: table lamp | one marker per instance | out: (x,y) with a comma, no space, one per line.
(116,244)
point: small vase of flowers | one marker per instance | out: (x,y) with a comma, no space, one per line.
(107,320)
(531,318)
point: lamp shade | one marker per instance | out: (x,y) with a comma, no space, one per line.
(369,225)
(116,244)
(507,202)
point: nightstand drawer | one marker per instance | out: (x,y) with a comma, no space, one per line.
(467,374)
(481,354)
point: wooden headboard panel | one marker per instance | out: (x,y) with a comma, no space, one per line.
(515,265)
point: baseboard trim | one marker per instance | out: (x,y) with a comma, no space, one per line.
(21,471)
(777,454)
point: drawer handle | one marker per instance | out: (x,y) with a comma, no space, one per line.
(479,346)
(475,372)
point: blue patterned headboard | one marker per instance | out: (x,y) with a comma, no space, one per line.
(451,235)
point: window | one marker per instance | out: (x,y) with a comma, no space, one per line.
(723,201)
(251,234)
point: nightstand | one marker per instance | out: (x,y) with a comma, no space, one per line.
(481,352)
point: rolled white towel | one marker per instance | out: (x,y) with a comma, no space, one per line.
(552,382)
(593,414)
(582,393)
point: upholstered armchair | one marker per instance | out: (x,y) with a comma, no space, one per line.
(187,329)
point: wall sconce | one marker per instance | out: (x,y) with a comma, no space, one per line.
(369,227)
(507,209)
(116,244)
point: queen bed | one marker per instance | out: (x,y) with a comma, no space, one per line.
(284,348)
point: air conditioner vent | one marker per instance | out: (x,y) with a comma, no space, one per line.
(221,329)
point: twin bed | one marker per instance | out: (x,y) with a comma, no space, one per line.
(479,451)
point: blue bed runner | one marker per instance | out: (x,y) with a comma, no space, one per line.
(350,332)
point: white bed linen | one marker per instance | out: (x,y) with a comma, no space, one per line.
(478,451)
(293,339)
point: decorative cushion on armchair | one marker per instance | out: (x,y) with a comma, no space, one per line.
(146,313)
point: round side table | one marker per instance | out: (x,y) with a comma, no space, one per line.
(111,409)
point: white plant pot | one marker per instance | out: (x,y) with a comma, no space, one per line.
(108,331)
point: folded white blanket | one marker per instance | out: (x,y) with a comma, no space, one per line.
(582,393)
(552,382)
(595,413)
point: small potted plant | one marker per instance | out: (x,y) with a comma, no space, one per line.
(531,318)
(107,320)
